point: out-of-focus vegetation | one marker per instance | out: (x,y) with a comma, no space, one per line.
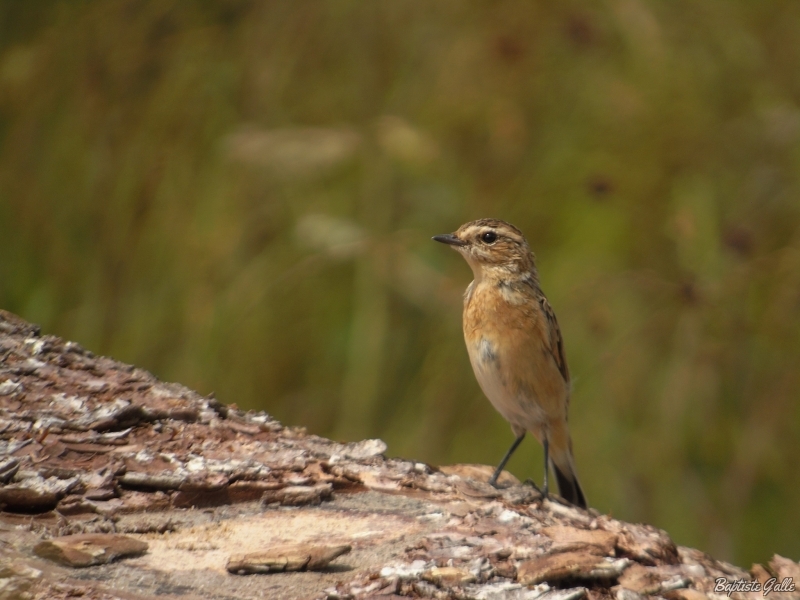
(240,196)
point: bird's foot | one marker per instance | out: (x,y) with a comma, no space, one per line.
(532,484)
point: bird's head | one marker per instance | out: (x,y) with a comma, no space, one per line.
(493,248)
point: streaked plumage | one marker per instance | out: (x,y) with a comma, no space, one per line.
(514,344)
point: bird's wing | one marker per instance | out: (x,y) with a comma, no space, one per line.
(555,339)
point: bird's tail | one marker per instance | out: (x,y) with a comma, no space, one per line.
(563,462)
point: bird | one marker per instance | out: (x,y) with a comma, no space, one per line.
(515,346)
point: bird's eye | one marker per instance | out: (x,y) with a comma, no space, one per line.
(490,237)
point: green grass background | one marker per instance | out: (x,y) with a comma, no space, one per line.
(240,195)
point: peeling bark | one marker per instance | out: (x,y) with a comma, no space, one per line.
(101,461)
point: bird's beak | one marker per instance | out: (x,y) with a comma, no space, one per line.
(449,238)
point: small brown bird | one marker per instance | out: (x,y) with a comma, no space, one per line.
(515,346)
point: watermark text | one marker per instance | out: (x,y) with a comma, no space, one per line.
(729,586)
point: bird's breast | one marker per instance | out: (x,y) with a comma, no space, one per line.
(485,359)
(506,345)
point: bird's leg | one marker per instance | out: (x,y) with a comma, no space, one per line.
(499,469)
(546,465)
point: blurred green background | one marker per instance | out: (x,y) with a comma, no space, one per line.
(240,195)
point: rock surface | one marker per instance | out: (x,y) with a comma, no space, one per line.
(95,448)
